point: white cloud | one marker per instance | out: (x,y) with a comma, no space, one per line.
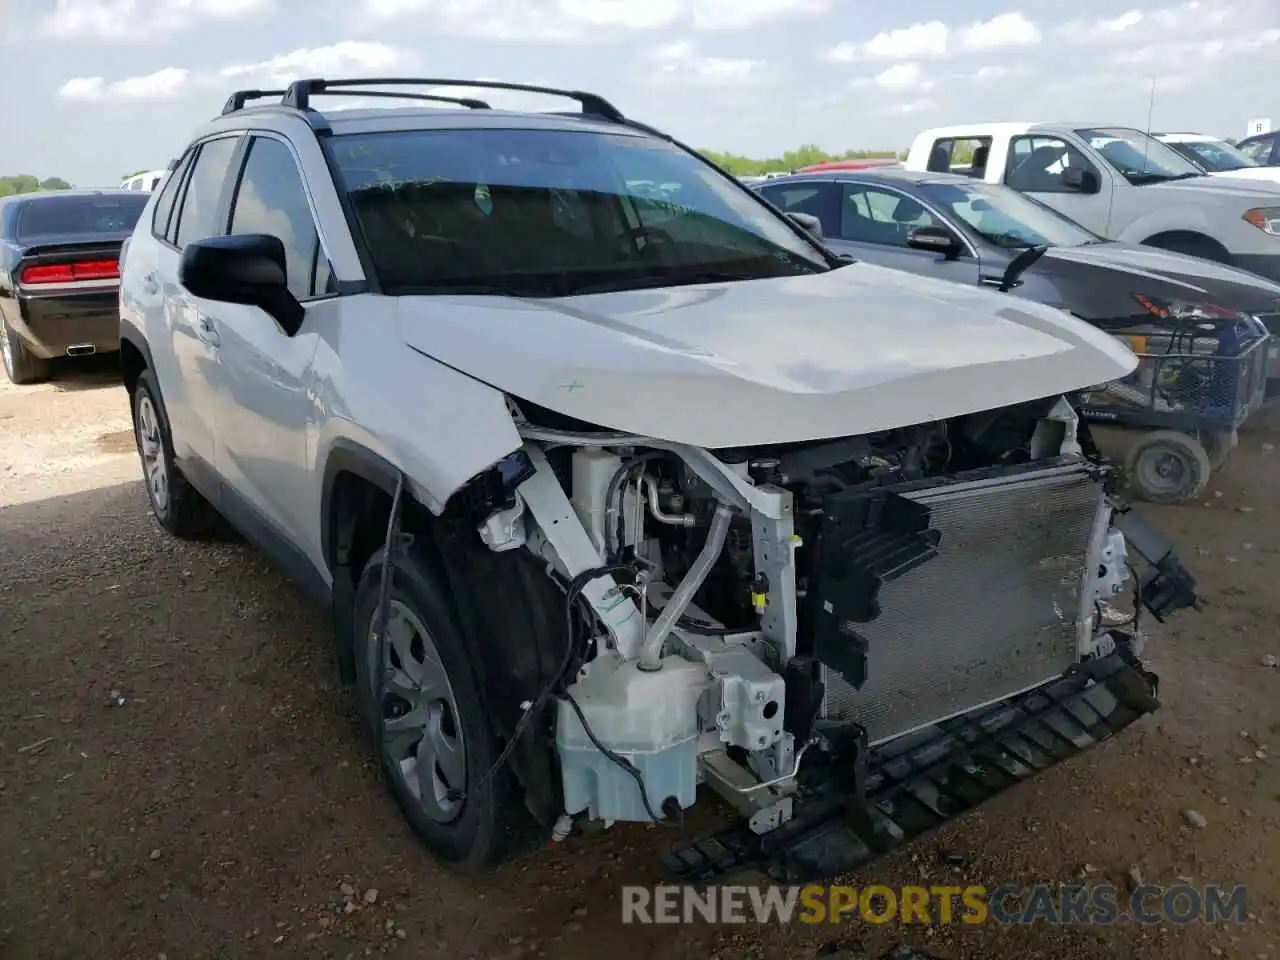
(682,62)
(907,108)
(907,43)
(523,20)
(1006,30)
(918,40)
(350,57)
(163,84)
(903,77)
(934,39)
(137,21)
(743,14)
(579,20)
(1193,20)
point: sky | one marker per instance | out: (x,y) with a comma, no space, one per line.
(94,89)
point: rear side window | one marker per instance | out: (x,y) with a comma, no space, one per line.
(91,216)
(164,203)
(963,155)
(198,215)
(271,199)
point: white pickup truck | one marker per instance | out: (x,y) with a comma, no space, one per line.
(1118,182)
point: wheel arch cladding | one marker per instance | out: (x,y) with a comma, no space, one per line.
(514,627)
(1186,238)
(135,355)
(355,506)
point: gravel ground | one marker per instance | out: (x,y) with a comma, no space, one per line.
(182,776)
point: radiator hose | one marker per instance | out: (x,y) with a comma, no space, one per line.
(651,654)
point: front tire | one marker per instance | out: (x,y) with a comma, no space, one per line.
(178,507)
(421,702)
(20,366)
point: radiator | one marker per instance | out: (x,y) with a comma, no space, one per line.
(994,613)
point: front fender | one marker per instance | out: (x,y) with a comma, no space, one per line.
(431,422)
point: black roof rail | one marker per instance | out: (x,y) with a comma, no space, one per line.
(397,95)
(238,99)
(300,91)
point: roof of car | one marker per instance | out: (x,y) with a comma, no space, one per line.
(1010,128)
(74,192)
(376,119)
(1187,138)
(900,174)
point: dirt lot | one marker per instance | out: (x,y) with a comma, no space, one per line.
(182,776)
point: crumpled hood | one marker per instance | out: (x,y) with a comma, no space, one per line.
(851,351)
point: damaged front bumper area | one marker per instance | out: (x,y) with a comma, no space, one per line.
(920,640)
(857,803)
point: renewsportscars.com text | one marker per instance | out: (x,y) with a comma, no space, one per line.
(1100,904)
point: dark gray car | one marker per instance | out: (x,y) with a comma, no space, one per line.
(956,228)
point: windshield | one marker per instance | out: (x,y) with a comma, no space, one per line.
(1140,159)
(1006,217)
(555,213)
(91,216)
(1215,156)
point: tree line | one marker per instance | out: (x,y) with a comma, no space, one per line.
(25,183)
(804,156)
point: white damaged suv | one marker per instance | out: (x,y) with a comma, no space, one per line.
(614,494)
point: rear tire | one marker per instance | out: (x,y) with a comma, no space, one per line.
(1166,466)
(430,713)
(178,507)
(20,366)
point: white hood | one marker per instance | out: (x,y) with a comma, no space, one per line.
(1270,174)
(1261,191)
(852,351)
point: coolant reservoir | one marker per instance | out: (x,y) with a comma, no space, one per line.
(650,718)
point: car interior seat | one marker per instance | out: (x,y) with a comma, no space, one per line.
(1034,174)
(978,169)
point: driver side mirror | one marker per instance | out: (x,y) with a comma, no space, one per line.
(935,240)
(1080,180)
(248,269)
(809,223)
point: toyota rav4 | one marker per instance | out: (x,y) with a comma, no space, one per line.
(614,492)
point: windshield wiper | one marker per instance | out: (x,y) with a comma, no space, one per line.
(668,280)
(460,289)
(1142,179)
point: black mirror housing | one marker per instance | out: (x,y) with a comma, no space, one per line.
(1080,180)
(935,240)
(809,223)
(247,269)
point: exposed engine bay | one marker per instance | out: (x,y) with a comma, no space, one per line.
(737,616)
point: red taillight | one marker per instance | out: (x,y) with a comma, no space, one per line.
(38,274)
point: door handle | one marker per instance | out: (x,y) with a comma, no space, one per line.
(207,332)
(150,285)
